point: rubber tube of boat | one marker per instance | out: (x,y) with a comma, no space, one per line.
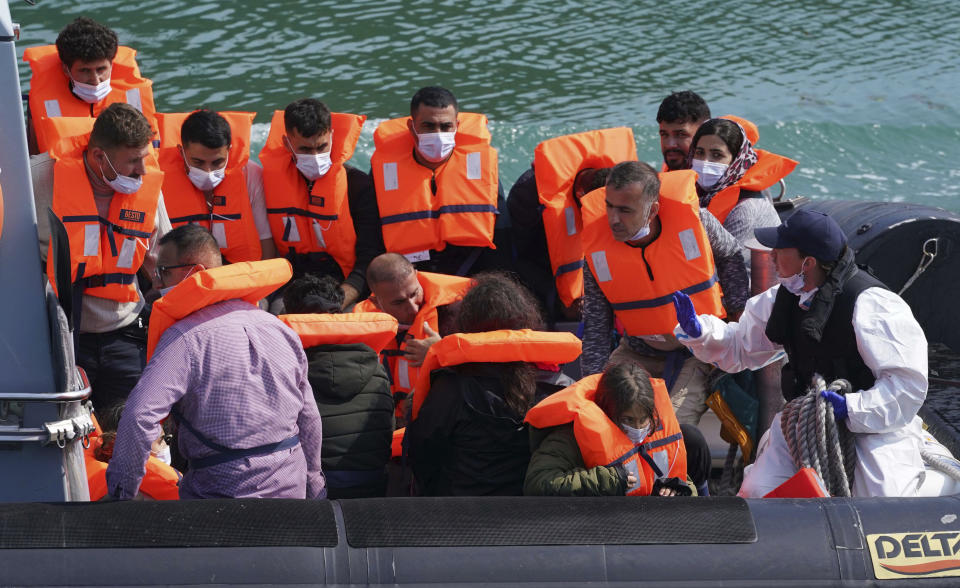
(484,541)
(907,246)
(768,378)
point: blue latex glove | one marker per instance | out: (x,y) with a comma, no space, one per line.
(686,315)
(839,404)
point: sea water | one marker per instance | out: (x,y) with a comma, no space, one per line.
(863,93)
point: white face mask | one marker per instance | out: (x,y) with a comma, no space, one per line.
(314,167)
(204,180)
(708,173)
(89,93)
(635,435)
(164,454)
(641,233)
(794,284)
(121,184)
(435,147)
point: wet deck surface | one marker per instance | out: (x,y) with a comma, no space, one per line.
(941,411)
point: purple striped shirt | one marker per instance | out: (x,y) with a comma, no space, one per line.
(240,377)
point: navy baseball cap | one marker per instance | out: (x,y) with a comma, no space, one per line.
(812,232)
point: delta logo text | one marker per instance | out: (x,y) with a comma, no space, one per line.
(926,554)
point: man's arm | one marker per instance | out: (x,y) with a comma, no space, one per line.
(258,206)
(731,270)
(893,346)
(366,223)
(597,324)
(163,383)
(734,347)
(311,434)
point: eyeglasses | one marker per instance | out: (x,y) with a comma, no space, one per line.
(162,269)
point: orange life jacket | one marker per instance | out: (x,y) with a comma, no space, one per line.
(556,163)
(751,130)
(105,253)
(769,169)
(317,220)
(461,210)
(602,443)
(438,290)
(50,94)
(374,329)
(249,281)
(228,215)
(680,258)
(494,347)
(160,482)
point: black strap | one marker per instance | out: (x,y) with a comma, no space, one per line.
(469,261)
(224,453)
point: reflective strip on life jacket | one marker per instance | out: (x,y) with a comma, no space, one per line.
(318,219)
(680,258)
(105,252)
(438,290)
(249,281)
(769,169)
(602,443)
(50,94)
(228,215)
(502,346)
(556,164)
(374,329)
(423,209)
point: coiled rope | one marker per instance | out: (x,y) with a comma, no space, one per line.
(817,441)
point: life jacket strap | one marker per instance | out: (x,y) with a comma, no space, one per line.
(666,299)
(101,280)
(225,454)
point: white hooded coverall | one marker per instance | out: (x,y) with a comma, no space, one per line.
(888,432)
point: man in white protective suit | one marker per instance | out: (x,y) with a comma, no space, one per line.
(833,319)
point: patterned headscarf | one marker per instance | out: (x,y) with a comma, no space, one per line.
(742,161)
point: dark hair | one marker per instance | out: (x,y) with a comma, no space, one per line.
(192,242)
(636,172)
(623,386)
(308,116)
(85,40)
(683,107)
(207,128)
(825,265)
(109,420)
(433,96)
(590,178)
(120,125)
(313,294)
(497,301)
(729,132)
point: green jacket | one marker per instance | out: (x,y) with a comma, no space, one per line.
(557,468)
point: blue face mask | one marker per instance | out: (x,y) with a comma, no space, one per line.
(635,435)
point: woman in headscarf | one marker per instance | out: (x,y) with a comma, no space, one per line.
(732,175)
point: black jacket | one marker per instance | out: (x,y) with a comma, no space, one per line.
(822,340)
(356,408)
(466,441)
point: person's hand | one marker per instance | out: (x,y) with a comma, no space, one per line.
(667,491)
(416,349)
(686,315)
(839,404)
(631,481)
(350,295)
